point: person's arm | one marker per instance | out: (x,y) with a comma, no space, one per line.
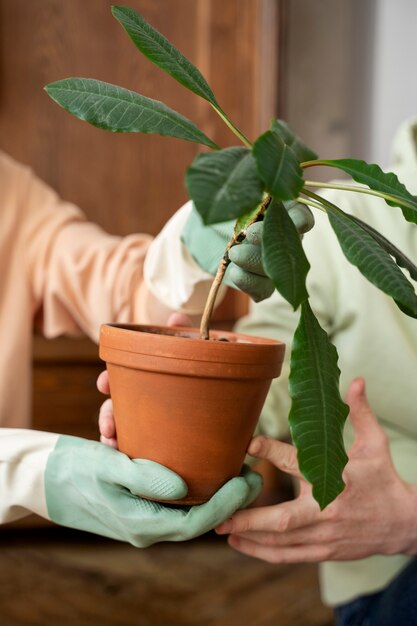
(89,486)
(79,276)
(184,257)
(375,514)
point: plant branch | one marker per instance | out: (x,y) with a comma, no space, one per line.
(306,164)
(321,200)
(232,127)
(309,203)
(356,188)
(238,238)
(211,299)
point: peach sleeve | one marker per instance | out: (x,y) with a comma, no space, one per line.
(79,275)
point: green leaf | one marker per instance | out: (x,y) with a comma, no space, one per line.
(122,111)
(401,259)
(318,413)
(244,221)
(278,166)
(224,184)
(160,51)
(283,256)
(376,179)
(375,263)
(290,139)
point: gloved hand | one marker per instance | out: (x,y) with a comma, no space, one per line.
(92,487)
(207,245)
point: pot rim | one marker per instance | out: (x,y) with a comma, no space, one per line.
(148,340)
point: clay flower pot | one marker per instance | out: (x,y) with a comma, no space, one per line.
(189,404)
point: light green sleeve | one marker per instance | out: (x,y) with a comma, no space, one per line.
(276,319)
(273,318)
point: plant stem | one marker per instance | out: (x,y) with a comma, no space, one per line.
(237,238)
(211,299)
(313,163)
(322,201)
(356,188)
(317,205)
(232,127)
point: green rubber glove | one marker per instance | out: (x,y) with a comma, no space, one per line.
(92,487)
(207,244)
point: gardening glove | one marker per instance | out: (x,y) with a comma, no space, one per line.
(86,485)
(207,244)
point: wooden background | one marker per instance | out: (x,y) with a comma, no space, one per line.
(125,182)
(128,182)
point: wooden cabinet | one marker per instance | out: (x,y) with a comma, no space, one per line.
(126,183)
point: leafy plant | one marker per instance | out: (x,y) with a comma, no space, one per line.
(251,182)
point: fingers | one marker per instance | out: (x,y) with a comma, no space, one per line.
(294,554)
(257,287)
(277,518)
(282,455)
(248,257)
(179,319)
(365,424)
(301,216)
(246,271)
(356,398)
(321,532)
(111,442)
(180,524)
(255,482)
(144,478)
(223,504)
(157,481)
(254,233)
(106,424)
(103,382)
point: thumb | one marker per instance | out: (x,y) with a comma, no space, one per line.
(363,419)
(103,382)
(179,319)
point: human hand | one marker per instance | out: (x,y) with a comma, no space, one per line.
(95,488)
(106,423)
(375,514)
(207,245)
(174,524)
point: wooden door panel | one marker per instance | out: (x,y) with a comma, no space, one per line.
(126,183)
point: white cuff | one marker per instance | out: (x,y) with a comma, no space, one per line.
(170,272)
(23,458)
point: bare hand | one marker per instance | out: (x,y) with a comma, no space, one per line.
(106,424)
(375,514)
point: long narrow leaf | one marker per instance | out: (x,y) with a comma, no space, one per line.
(317,414)
(283,256)
(224,184)
(160,51)
(120,110)
(362,250)
(375,178)
(401,259)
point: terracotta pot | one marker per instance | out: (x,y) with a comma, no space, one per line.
(189,404)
